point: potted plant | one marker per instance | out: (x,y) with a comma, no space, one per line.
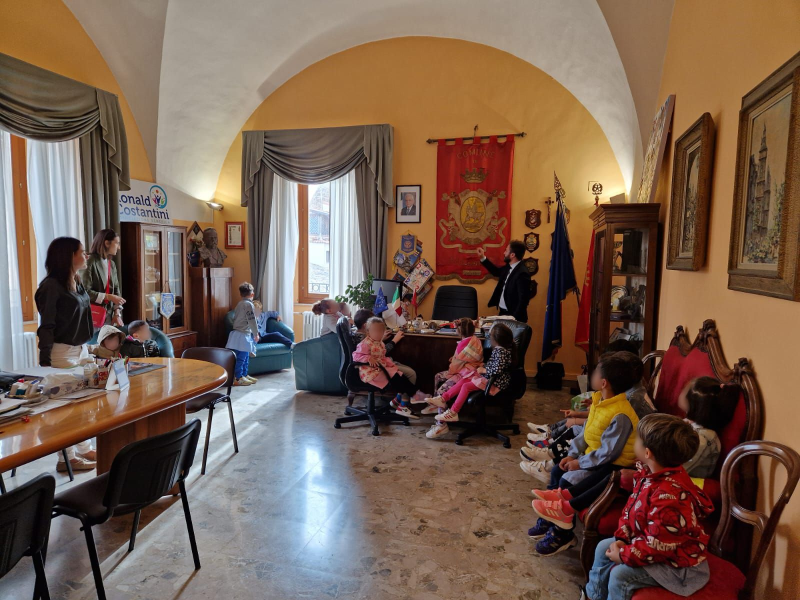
(358,296)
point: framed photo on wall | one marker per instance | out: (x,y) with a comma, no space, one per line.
(408,203)
(765,228)
(691,196)
(234,234)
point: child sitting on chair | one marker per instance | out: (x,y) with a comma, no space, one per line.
(109,342)
(380,371)
(139,343)
(271,337)
(499,367)
(466,361)
(660,541)
(244,336)
(389,340)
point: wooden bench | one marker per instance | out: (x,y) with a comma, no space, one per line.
(671,370)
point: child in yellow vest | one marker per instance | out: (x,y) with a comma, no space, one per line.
(605,445)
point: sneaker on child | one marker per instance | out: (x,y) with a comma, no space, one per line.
(405,412)
(251,379)
(538,437)
(539,429)
(540,529)
(437,401)
(447,416)
(419,400)
(553,511)
(540,469)
(241,381)
(548,495)
(535,453)
(437,430)
(430,410)
(556,540)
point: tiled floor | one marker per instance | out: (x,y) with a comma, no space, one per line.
(308,511)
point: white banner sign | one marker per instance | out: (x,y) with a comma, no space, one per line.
(144,203)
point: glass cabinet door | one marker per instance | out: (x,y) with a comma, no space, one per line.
(153,279)
(175,282)
(629,284)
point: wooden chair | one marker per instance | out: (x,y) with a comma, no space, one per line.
(671,370)
(25,527)
(727,581)
(227,360)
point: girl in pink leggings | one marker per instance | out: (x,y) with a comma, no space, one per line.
(499,365)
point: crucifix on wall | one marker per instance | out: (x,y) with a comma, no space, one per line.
(549,201)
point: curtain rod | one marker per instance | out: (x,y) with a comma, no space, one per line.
(471,137)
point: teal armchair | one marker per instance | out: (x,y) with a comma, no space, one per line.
(316,365)
(269,357)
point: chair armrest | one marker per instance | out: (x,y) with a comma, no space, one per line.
(273,325)
(592,520)
(657,358)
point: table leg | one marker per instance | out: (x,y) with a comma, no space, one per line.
(111,442)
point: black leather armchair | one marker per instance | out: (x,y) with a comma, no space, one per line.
(503,402)
(348,373)
(455,302)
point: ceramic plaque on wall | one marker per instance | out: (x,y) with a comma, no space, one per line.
(533,218)
(531,241)
(532,264)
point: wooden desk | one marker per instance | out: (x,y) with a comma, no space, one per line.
(153,404)
(427,354)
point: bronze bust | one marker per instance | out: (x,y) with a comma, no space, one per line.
(210,254)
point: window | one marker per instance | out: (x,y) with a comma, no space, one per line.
(22,215)
(314,206)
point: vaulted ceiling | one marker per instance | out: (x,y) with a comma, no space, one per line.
(193,71)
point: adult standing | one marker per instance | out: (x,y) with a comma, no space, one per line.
(513,290)
(100,276)
(65,324)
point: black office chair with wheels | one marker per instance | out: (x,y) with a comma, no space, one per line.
(142,472)
(505,401)
(25,527)
(348,373)
(227,360)
(455,302)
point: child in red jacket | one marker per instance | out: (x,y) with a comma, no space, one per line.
(660,541)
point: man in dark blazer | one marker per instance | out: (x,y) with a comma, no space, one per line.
(409,205)
(513,290)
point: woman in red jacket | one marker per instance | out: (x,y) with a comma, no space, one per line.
(660,540)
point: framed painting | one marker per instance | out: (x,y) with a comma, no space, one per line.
(765,228)
(654,154)
(234,234)
(408,204)
(691,196)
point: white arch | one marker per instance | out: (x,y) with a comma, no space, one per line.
(222,59)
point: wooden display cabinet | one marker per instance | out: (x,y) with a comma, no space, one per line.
(154,261)
(625,276)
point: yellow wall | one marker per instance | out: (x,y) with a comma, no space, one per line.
(717,52)
(46,34)
(431,87)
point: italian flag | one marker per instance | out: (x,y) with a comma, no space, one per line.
(395,305)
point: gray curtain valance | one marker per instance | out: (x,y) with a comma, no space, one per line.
(310,156)
(42,105)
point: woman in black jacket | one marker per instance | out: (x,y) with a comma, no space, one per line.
(65,324)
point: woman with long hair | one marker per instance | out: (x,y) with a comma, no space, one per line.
(65,324)
(101,275)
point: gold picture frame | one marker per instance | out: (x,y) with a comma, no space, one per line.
(654,153)
(691,196)
(765,228)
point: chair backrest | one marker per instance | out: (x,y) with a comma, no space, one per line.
(455,302)
(219,356)
(522,333)
(732,509)
(25,520)
(348,346)
(145,470)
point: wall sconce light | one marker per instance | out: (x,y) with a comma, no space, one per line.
(214,205)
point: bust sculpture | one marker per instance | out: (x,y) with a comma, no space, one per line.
(210,253)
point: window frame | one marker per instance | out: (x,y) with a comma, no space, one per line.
(22,224)
(304,296)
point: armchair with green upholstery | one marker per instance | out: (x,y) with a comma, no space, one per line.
(316,366)
(269,357)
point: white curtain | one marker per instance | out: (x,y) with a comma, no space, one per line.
(346,265)
(11,345)
(277,292)
(54,188)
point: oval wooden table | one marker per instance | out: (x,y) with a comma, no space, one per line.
(153,404)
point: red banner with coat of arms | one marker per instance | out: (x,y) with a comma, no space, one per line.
(473,207)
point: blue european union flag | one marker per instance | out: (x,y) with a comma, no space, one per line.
(562,281)
(380,303)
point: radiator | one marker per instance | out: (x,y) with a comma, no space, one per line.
(312,325)
(31,356)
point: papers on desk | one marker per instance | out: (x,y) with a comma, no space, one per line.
(14,409)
